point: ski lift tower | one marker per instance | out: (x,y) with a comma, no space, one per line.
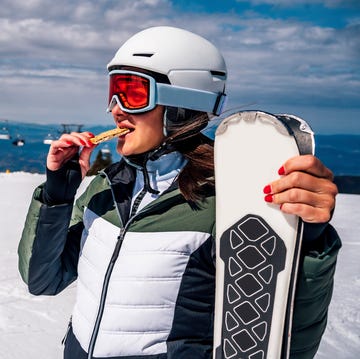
(66,128)
(71,127)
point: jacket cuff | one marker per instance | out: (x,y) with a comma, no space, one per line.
(61,185)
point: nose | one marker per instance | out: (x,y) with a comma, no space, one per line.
(117,111)
(118,114)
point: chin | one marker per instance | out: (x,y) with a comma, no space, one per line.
(120,149)
(123,152)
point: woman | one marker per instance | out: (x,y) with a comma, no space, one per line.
(140,240)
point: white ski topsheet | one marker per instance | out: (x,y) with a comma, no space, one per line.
(250,147)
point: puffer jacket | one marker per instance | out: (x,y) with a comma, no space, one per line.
(146,284)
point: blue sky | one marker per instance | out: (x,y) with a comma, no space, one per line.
(291,56)
(321,13)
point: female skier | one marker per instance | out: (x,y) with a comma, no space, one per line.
(140,239)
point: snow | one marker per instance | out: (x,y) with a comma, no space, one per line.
(342,338)
(33,327)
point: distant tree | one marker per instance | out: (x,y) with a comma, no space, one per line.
(102,160)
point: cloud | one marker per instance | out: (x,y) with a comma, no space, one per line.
(53,56)
(275,61)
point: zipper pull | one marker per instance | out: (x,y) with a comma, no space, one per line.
(118,245)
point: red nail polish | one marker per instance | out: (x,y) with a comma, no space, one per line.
(267,189)
(83,142)
(281,171)
(268,198)
(69,143)
(91,134)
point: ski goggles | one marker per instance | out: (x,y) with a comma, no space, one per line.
(135,92)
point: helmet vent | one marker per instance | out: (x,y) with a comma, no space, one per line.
(217,73)
(143,54)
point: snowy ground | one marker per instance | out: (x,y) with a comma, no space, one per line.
(33,327)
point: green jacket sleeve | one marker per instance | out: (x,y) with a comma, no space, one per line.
(313,295)
(49,246)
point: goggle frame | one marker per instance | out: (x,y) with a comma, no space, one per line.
(171,95)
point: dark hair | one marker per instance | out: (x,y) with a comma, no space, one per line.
(198,174)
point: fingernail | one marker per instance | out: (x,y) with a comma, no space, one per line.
(267,189)
(268,198)
(69,143)
(281,171)
(83,142)
(91,134)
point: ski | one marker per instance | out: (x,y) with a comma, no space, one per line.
(257,246)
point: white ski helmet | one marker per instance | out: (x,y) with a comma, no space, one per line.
(190,63)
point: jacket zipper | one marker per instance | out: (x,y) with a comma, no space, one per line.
(108,273)
(105,287)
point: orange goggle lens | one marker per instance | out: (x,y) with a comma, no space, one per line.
(131,90)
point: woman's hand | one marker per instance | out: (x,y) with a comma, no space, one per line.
(66,147)
(305,189)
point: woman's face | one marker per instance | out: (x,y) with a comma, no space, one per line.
(146,130)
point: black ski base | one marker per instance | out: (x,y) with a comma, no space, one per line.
(253,255)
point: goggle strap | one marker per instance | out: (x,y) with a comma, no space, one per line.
(176,96)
